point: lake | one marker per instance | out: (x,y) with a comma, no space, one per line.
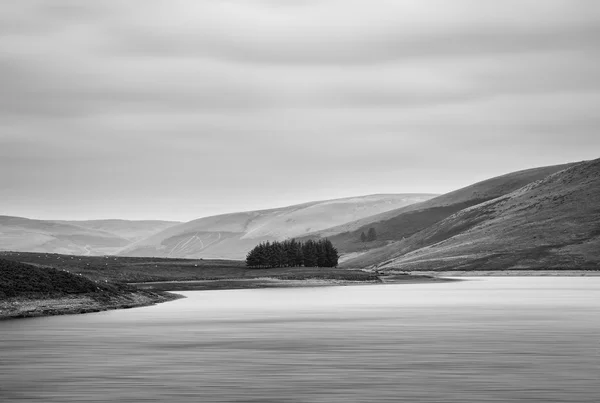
(481,340)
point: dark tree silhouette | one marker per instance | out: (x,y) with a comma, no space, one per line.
(371,235)
(292,253)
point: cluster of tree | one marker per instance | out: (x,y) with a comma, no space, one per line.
(370,236)
(292,253)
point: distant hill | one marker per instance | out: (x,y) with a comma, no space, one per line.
(403,222)
(552,223)
(231,236)
(127,229)
(73,237)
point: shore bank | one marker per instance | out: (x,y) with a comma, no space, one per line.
(150,293)
(235,284)
(269,282)
(21,307)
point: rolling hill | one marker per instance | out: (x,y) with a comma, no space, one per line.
(403,222)
(231,236)
(552,223)
(127,229)
(73,237)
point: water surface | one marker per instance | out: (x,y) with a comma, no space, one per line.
(482,340)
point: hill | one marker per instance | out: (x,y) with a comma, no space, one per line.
(23,234)
(231,236)
(403,222)
(73,237)
(552,223)
(127,229)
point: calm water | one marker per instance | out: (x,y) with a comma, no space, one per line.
(484,340)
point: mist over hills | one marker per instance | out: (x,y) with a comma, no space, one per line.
(550,223)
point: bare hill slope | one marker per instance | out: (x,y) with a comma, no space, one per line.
(553,223)
(231,236)
(397,224)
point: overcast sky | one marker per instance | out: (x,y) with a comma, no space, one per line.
(183,109)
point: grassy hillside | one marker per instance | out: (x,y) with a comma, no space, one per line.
(231,236)
(27,290)
(19,279)
(553,223)
(139,269)
(400,223)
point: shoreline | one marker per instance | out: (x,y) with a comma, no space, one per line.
(28,307)
(273,282)
(151,293)
(244,284)
(508,273)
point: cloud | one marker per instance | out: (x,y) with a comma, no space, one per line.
(352,32)
(165,91)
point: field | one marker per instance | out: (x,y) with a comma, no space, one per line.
(141,269)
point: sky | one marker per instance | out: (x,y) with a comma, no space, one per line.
(177,110)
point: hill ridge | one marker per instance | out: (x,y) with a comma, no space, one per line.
(552,223)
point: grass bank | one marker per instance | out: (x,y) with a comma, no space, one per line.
(28,291)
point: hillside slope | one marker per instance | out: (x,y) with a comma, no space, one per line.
(127,229)
(231,236)
(94,237)
(553,223)
(23,234)
(397,224)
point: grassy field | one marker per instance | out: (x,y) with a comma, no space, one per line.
(140,270)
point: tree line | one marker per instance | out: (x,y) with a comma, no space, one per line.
(292,253)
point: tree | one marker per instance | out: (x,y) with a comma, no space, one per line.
(321,254)
(363,237)
(292,253)
(298,255)
(331,254)
(371,235)
(309,251)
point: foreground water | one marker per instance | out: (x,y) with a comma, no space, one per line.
(482,340)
